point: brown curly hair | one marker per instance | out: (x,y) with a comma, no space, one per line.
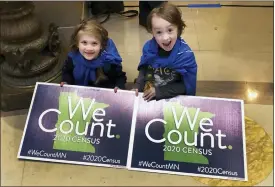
(91,27)
(168,12)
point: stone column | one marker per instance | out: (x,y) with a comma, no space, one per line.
(29,52)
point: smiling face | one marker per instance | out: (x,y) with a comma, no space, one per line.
(164,32)
(89,46)
(166,25)
(89,38)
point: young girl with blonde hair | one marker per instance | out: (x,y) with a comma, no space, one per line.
(94,59)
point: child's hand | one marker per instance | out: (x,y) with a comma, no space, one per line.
(149,94)
(62,84)
(115,89)
(136,90)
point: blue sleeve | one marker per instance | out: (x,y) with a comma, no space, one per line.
(190,77)
(145,55)
(188,70)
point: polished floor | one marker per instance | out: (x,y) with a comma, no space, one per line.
(234,51)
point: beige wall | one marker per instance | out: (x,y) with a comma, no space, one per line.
(63,14)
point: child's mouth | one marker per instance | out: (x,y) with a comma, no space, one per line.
(89,53)
(167,44)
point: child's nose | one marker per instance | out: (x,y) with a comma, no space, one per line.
(89,48)
(165,36)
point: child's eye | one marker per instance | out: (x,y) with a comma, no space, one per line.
(94,43)
(158,32)
(84,42)
(170,30)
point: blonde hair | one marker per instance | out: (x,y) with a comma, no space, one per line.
(91,27)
